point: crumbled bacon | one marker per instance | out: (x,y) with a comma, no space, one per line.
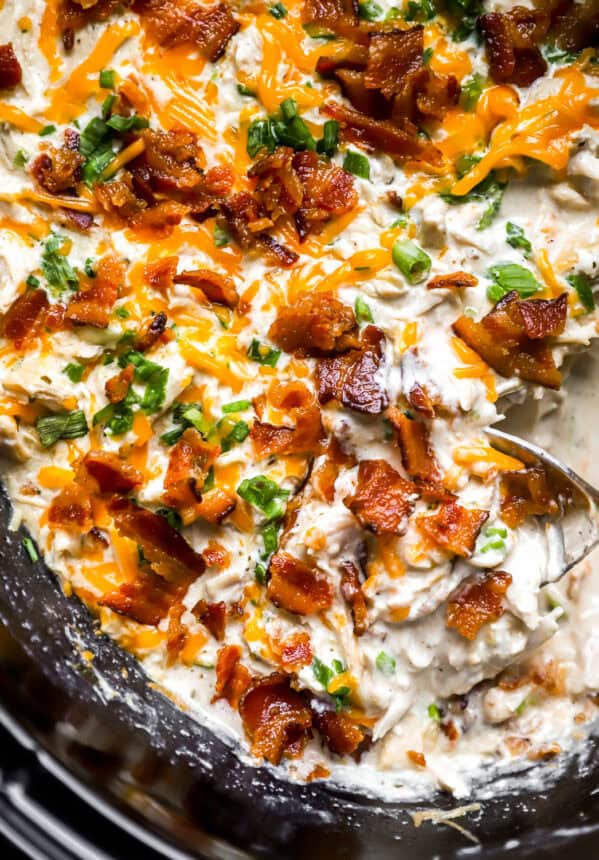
(331,14)
(416,452)
(421,401)
(458,280)
(93,304)
(317,324)
(216,505)
(179,22)
(502,338)
(117,387)
(160,273)
(146,600)
(245,220)
(339,733)
(10,68)
(575,25)
(118,199)
(170,162)
(383,500)
(453,528)
(276,719)
(417,758)
(295,652)
(307,434)
(351,591)
(151,332)
(57,169)
(213,616)
(176,633)
(478,602)
(188,466)
(512,40)
(71,510)
(73,16)
(76,220)
(526,493)
(393,56)
(24,320)
(353,378)
(215,287)
(110,473)
(215,555)
(163,546)
(296,587)
(232,678)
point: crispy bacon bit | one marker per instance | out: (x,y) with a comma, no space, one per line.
(216,505)
(526,493)
(93,304)
(339,733)
(352,378)
(24,319)
(188,466)
(72,16)
(296,652)
(575,25)
(232,679)
(318,324)
(276,719)
(10,68)
(110,473)
(353,595)
(383,500)
(176,633)
(453,528)
(325,474)
(163,546)
(71,510)
(146,600)
(416,758)
(215,555)
(160,273)
(76,220)
(170,162)
(457,280)
(512,40)
(478,602)
(296,587)
(393,55)
(215,287)
(119,200)
(502,338)
(117,387)
(57,169)
(179,22)
(246,222)
(331,14)
(151,332)
(416,452)
(421,401)
(213,616)
(297,404)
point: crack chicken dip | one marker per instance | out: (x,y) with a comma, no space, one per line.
(267,271)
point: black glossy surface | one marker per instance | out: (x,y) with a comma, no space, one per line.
(147,759)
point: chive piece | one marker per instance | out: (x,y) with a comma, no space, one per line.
(194,417)
(116,417)
(88,267)
(270,537)
(30,549)
(362,311)
(63,425)
(261,135)
(236,406)
(209,480)
(472,90)
(56,268)
(263,354)
(491,531)
(511,276)
(107,105)
(323,674)
(93,135)
(356,163)
(220,237)
(245,91)
(265,495)
(434,712)
(411,260)
(21,158)
(32,281)
(260,574)
(583,287)
(278,11)
(289,109)
(329,141)
(46,130)
(516,237)
(238,433)
(74,371)
(107,79)
(172,516)
(123,313)
(369,10)
(127,123)
(385,663)
(420,11)
(427,56)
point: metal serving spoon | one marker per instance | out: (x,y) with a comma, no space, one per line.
(578,528)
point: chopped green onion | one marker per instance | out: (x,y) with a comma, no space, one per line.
(328,143)
(209,481)
(238,433)
(245,91)
(265,495)
(362,311)
(427,56)
(88,267)
(107,105)
(434,712)
(472,89)
(263,354)
(516,237)
(74,371)
(220,237)
(420,11)
(369,10)
(196,418)
(385,663)
(491,531)
(494,544)
(583,287)
(270,537)
(21,158)
(127,123)
(356,163)
(32,282)
(511,276)
(289,109)
(411,260)
(116,417)
(56,268)
(172,516)
(123,313)
(63,425)
(107,79)
(236,406)
(278,11)
(46,130)
(30,549)
(95,133)
(323,673)
(260,574)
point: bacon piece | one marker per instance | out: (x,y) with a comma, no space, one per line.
(331,14)
(352,593)
(216,288)
(10,68)
(110,473)
(176,633)
(296,587)
(93,305)
(421,401)
(478,602)
(213,616)
(180,22)
(325,474)
(117,387)
(511,39)
(501,338)
(317,324)
(339,733)
(297,404)
(146,600)
(383,500)
(76,220)
(71,510)
(453,528)
(382,135)
(160,273)
(73,16)
(119,200)
(353,378)
(24,320)
(57,169)
(351,57)
(164,547)
(456,280)
(296,652)
(425,95)
(416,452)
(246,222)
(215,555)
(393,55)
(151,332)
(232,678)
(526,493)
(417,758)
(276,719)
(575,25)
(188,466)
(216,505)
(170,161)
